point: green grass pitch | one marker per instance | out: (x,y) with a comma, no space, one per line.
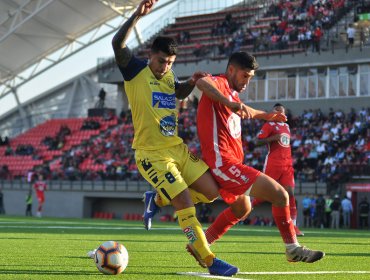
(48,248)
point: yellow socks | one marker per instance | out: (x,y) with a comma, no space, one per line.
(194,233)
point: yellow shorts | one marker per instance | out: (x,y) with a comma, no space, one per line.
(170,170)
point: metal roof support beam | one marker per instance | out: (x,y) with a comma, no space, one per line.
(71,96)
(25,121)
(25,8)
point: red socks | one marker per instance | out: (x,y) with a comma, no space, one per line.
(284,224)
(293,208)
(221,225)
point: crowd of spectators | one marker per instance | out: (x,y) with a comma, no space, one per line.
(300,23)
(4,141)
(327,148)
(331,211)
(57,142)
(106,157)
(21,150)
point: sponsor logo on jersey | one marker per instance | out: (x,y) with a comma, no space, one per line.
(163,101)
(234,126)
(284,140)
(154,83)
(167,125)
(170,82)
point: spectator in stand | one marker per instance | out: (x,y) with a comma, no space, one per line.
(347,209)
(2,209)
(184,37)
(363,211)
(328,202)
(320,211)
(317,39)
(351,33)
(335,212)
(307,38)
(4,172)
(200,50)
(313,213)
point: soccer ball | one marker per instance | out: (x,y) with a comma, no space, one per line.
(111,258)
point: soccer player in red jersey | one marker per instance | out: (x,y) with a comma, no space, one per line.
(219,129)
(279,163)
(40,188)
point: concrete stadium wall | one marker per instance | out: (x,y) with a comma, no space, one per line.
(67,200)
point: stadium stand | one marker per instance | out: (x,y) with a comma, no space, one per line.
(276,32)
(326,148)
(41,144)
(329,148)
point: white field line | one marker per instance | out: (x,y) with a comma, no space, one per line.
(79,227)
(64,225)
(303,272)
(207,275)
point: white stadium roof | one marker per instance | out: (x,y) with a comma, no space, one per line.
(37,34)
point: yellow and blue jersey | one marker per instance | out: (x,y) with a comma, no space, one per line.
(153,106)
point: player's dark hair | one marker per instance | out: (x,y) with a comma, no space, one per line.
(278,105)
(164,44)
(243,60)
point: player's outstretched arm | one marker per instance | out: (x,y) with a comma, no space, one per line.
(271,117)
(263,141)
(185,88)
(209,88)
(121,51)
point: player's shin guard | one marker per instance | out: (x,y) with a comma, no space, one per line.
(194,233)
(221,225)
(285,224)
(293,208)
(197,197)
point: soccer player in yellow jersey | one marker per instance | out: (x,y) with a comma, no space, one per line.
(178,177)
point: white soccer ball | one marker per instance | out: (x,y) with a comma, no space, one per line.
(111,258)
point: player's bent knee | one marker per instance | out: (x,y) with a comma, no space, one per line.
(282,198)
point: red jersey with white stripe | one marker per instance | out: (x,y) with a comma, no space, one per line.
(278,151)
(40,187)
(219,132)
(219,129)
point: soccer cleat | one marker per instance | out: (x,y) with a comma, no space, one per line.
(303,254)
(150,208)
(219,267)
(190,248)
(298,232)
(91,254)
